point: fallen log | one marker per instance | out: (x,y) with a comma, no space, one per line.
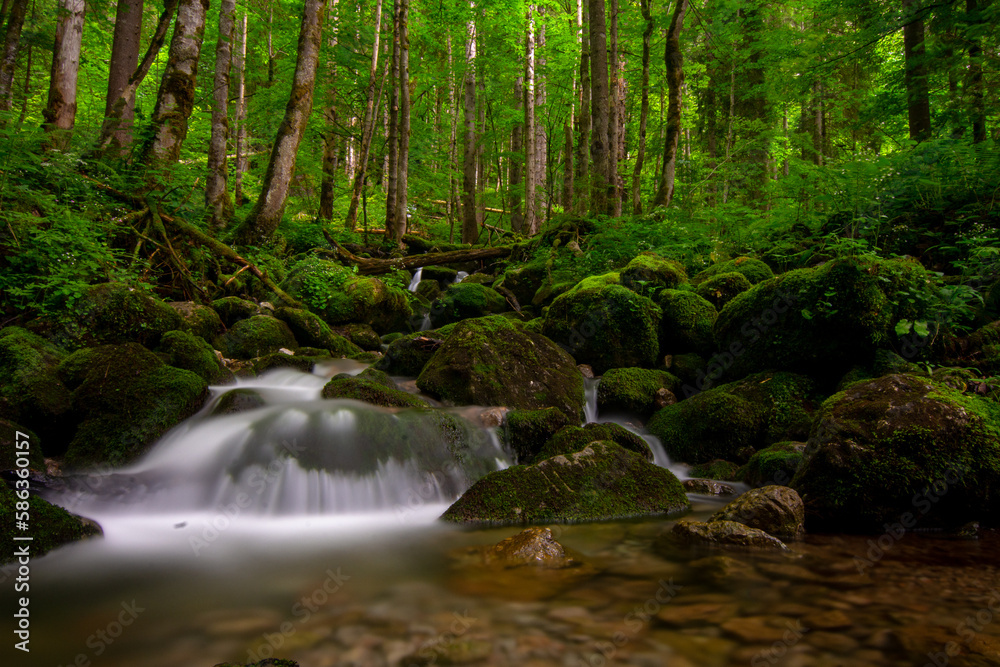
(370,267)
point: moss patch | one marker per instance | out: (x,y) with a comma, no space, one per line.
(686,323)
(776,464)
(31,392)
(9,452)
(255,337)
(51,526)
(752,269)
(184,350)
(572,439)
(633,390)
(465,300)
(308,329)
(116,313)
(371,386)
(232,309)
(528,430)
(199,320)
(722,288)
(647,273)
(717,469)
(408,355)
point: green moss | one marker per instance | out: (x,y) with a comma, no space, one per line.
(523,281)
(686,324)
(776,464)
(256,337)
(734,420)
(464,300)
(547,292)
(606,326)
(184,350)
(361,335)
(527,431)
(238,400)
(722,288)
(308,329)
(232,309)
(649,273)
(9,452)
(442,274)
(752,269)
(429,289)
(601,482)
(717,469)
(370,390)
(409,354)
(300,362)
(51,526)
(116,313)
(633,390)
(489,361)
(572,439)
(31,392)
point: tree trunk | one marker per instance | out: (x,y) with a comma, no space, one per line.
(675,78)
(60,112)
(266,213)
(599,104)
(396,231)
(918,102)
(124,58)
(516,161)
(175,100)
(452,145)
(8,60)
(752,107)
(392,141)
(480,145)
(615,112)
(367,125)
(218,205)
(974,77)
(330,136)
(541,137)
(647,33)
(470,230)
(530,135)
(239,64)
(584,123)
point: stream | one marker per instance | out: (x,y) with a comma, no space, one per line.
(245,536)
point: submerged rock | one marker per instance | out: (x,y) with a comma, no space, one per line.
(532,546)
(708,487)
(724,534)
(777,510)
(603,481)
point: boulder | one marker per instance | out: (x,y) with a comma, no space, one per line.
(408,355)
(238,400)
(571,439)
(636,391)
(776,510)
(686,323)
(722,288)
(821,321)
(901,449)
(442,274)
(361,335)
(648,273)
(199,320)
(31,392)
(299,361)
(527,431)
(752,269)
(232,309)
(717,469)
(734,420)
(464,300)
(371,386)
(255,337)
(51,526)
(117,313)
(429,289)
(309,330)
(532,546)
(524,280)
(724,534)
(600,482)
(489,361)
(708,487)
(776,464)
(125,398)
(19,442)
(184,350)
(605,325)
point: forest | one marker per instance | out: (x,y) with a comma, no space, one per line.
(491,332)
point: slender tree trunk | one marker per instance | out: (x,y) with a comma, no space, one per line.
(239,64)
(124,59)
(330,136)
(453,99)
(271,55)
(584,123)
(530,134)
(599,105)
(615,112)
(266,214)
(60,112)
(470,230)
(8,60)
(480,144)
(218,204)
(367,124)
(647,34)
(541,137)
(392,141)
(918,107)
(675,78)
(516,162)
(28,61)
(974,77)
(752,107)
(397,231)
(817,125)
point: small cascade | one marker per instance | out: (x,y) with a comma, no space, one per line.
(425,323)
(417,277)
(590,399)
(460,276)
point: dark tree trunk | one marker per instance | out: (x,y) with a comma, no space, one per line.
(239,64)
(599,105)
(331,139)
(974,77)
(516,162)
(530,134)
(675,78)
(124,58)
(367,125)
(584,119)
(218,204)
(918,101)
(8,59)
(398,229)
(470,228)
(647,34)
(392,141)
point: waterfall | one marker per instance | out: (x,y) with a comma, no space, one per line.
(416,279)
(590,399)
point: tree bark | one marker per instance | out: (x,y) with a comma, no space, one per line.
(124,59)
(240,115)
(516,162)
(330,136)
(8,60)
(599,104)
(367,124)
(398,229)
(584,122)
(470,228)
(530,136)
(974,77)
(392,141)
(675,78)
(541,136)
(647,34)
(615,112)
(266,214)
(218,204)
(918,102)
(60,112)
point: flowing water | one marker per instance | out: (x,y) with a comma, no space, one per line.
(417,277)
(307,529)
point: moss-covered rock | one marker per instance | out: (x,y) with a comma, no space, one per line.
(464,300)
(51,526)
(116,313)
(717,469)
(647,273)
(16,442)
(722,288)
(776,464)
(897,447)
(199,320)
(232,309)
(686,323)
(600,482)
(634,390)
(238,400)
(571,439)
(548,292)
(185,350)
(442,274)
(724,534)
(299,361)
(256,337)
(125,398)
(408,355)
(527,431)
(606,326)
(734,420)
(524,280)
(692,369)
(340,296)
(777,510)
(429,289)
(308,329)
(371,386)
(823,320)
(752,269)
(361,335)
(31,392)
(489,361)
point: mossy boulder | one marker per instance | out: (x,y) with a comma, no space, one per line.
(686,323)
(605,326)
(12,434)
(256,337)
(722,288)
(489,361)
(751,268)
(429,289)
(571,439)
(444,275)
(464,300)
(238,400)
(371,386)
(340,296)
(635,390)
(524,280)
(232,309)
(901,446)
(199,320)
(734,420)
(527,431)
(125,398)
(309,330)
(599,483)
(31,392)
(361,335)
(777,510)
(648,273)
(717,469)
(117,313)
(185,350)
(51,525)
(408,355)
(300,362)
(730,534)
(820,321)
(776,464)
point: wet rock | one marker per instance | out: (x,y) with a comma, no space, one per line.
(572,439)
(725,570)
(828,620)
(708,487)
(238,400)
(527,431)
(636,391)
(717,469)
(360,335)
(199,320)
(777,510)
(256,337)
(371,386)
(309,330)
(31,391)
(706,613)
(766,629)
(466,300)
(724,534)
(184,350)
(532,546)
(408,355)
(51,526)
(776,464)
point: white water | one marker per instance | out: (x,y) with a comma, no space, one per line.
(590,399)
(460,276)
(416,279)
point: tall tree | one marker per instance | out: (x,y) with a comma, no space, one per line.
(266,214)
(8,59)
(217,201)
(647,34)
(239,116)
(541,136)
(60,111)
(918,100)
(600,102)
(584,122)
(675,79)
(530,134)
(398,228)
(470,226)
(331,137)
(616,112)
(125,48)
(516,163)
(392,140)
(367,123)
(974,76)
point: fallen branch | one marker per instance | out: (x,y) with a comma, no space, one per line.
(369,267)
